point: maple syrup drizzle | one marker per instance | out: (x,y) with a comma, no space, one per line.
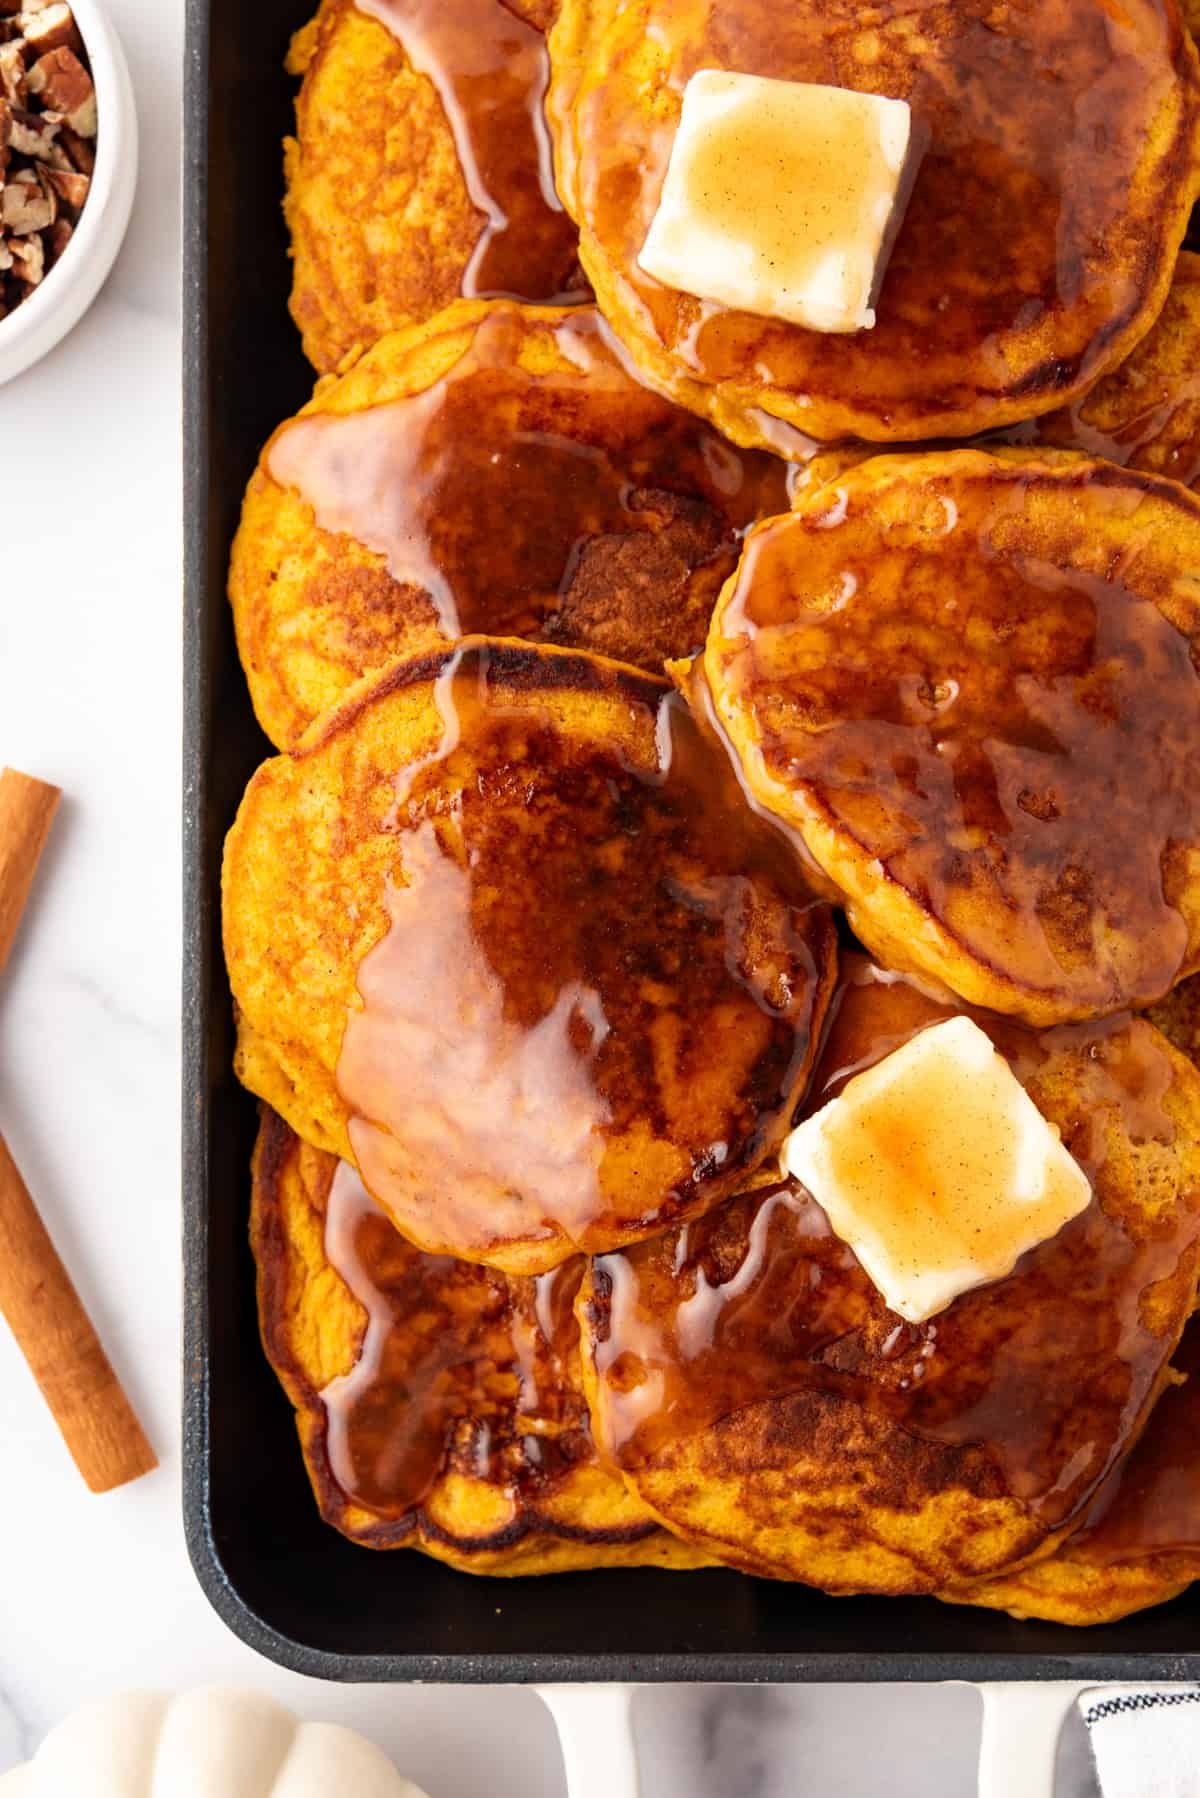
(511,497)
(460,1368)
(599,985)
(491,70)
(1051,1369)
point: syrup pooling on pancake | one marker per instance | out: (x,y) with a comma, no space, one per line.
(1151,1503)
(1036,237)
(599,992)
(1049,1371)
(1139,1543)
(512,497)
(491,71)
(459,1364)
(973,686)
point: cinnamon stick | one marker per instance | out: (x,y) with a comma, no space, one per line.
(65,1356)
(41,1305)
(27,809)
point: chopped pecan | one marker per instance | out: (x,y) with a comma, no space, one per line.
(55,158)
(57,238)
(47,140)
(81,152)
(63,85)
(24,206)
(29,259)
(12,73)
(71,187)
(31,133)
(52,27)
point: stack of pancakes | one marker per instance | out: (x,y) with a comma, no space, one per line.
(678,711)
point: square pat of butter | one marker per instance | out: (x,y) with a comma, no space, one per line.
(937,1168)
(781,198)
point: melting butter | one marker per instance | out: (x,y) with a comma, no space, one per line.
(937,1169)
(781,198)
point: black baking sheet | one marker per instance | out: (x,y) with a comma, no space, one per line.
(279,1577)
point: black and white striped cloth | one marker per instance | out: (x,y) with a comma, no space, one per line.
(1145,1740)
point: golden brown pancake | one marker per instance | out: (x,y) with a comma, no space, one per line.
(420,168)
(1037,246)
(971,683)
(1140,1542)
(759,1396)
(496,469)
(1145,414)
(1178,1017)
(519,949)
(438,1404)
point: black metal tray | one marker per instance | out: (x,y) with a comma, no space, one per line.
(281,1579)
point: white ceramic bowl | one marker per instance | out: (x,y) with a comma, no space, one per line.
(64,296)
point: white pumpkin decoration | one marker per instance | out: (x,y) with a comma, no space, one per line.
(208,1744)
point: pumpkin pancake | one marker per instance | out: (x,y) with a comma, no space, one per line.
(1039,239)
(420,168)
(496,469)
(1178,1017)
(751,1384)
(971,683)
(1145,414)
(1140,1542)
(516,946)
(438,1404)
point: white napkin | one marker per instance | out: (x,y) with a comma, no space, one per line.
(1145,1739)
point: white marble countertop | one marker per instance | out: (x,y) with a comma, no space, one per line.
(97,1593)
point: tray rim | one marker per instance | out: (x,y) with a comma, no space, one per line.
(1074,1663)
